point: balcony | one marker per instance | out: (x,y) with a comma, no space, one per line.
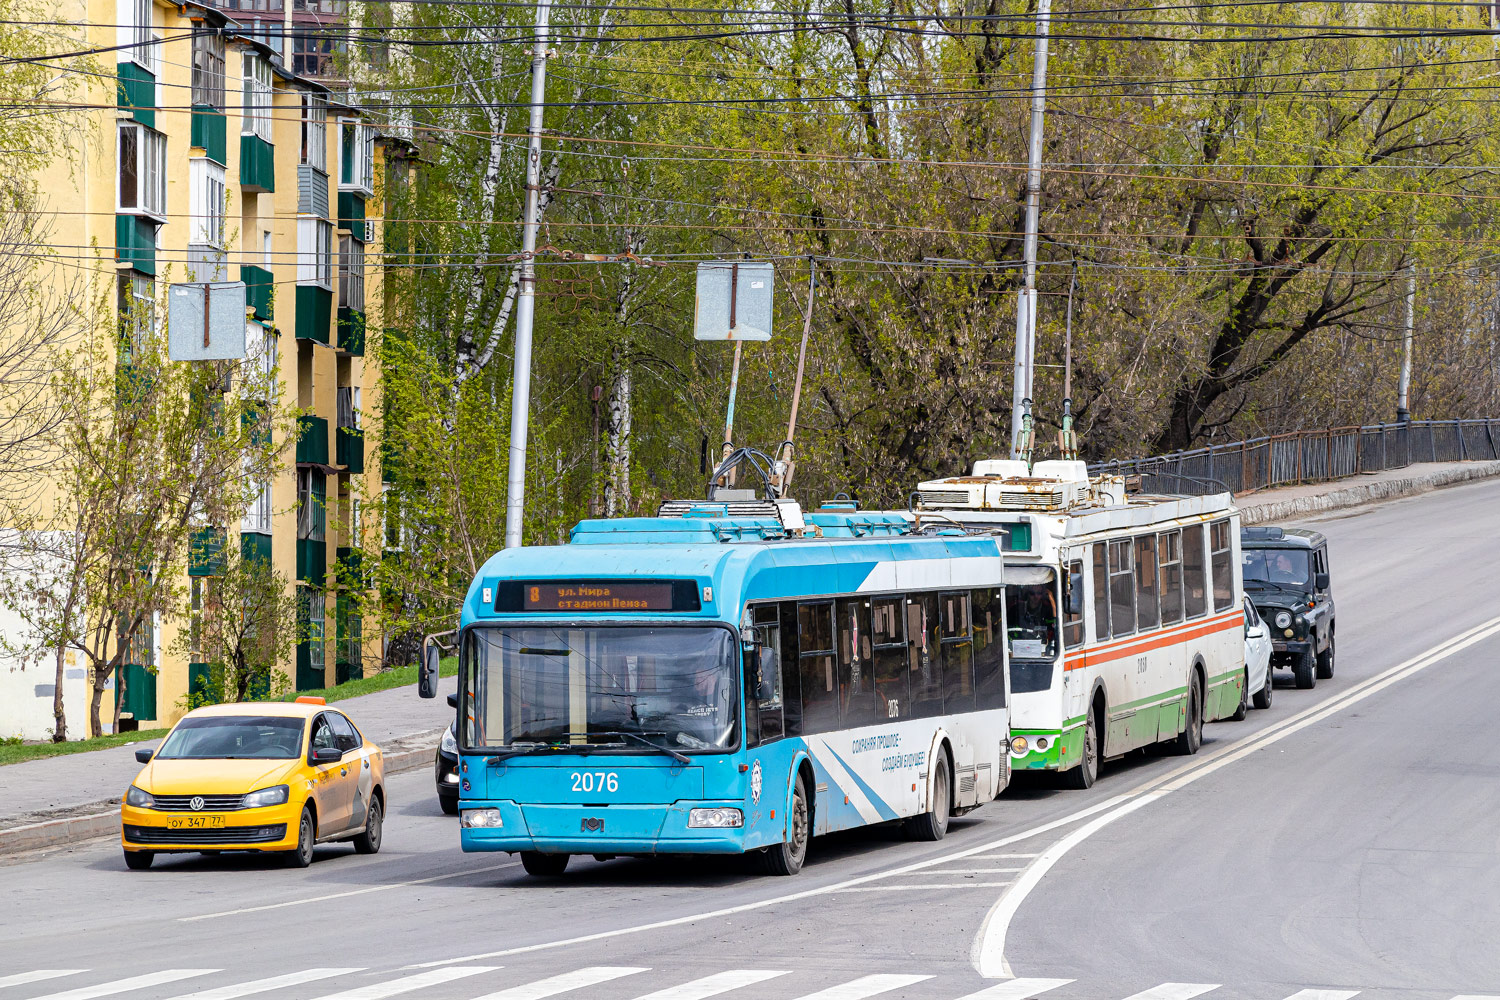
(206,552)
(351,449)
(208,133)
(314,313)
(352,215)
(312,441)
(259,288)
(137,90)
(312,561)
(351,331)
(255,546)
(135,242)
(349,565)
(257,164)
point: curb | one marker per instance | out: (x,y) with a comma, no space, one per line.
(411,753)
(1357,496)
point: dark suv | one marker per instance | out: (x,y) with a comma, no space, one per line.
(1285,572)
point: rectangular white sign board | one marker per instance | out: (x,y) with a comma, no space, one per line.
(746,284)
(222,337)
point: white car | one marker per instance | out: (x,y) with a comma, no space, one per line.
(1257,660)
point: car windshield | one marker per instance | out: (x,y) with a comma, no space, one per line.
(1276,567)
(230,737)
(626,687)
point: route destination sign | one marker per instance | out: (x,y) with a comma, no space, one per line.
(597,595)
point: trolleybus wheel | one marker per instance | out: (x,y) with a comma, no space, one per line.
(933,824)
(1305,670)
(1191,737)
(1325,661)
(786,857)
(1263,696)
(1087,770)
(1244,709)
(537,863)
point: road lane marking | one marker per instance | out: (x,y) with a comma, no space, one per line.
(1323,995)
(988,952)
(575,980)
(972,871)
(1175,991)
(909,886)
(235,990)
(36,976)
(341,895)
(395,987)
(865,986)
(712,986)
(125,985)
(1017,989)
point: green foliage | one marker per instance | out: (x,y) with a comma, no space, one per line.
(383,681)
(13,751)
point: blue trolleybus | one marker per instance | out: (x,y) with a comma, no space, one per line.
(730,678)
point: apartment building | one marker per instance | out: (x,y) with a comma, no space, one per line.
(219,162)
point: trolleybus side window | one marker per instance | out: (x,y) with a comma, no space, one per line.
(1147,584)
(1121,588)
(1073,622)
(856,671)
(1101,593)
(1223,580)
(1194,580)
(1169,558)
(820,693)
(890,657)
(791,683)
(763,699)
(958,652)
(925,661)
(988,610)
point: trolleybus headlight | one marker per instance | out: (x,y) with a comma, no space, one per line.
(1283,619)
(1018,745)
(479,819)
(1041,742)
(716,816)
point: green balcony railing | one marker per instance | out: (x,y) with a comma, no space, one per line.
(351,449)
(137,90)
(312,440)
(135,242)
(312,561)
(260,285)
(206,552)
(255,546)
(257,164)
(314,313)
(351,331)
(209,133)
(352,215)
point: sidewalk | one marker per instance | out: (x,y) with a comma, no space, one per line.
(60,799)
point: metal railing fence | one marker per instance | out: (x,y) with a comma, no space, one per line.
(1310,456)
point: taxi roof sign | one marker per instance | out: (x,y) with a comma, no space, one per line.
(308,699)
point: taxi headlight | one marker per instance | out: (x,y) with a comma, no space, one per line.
(274,796)
(139,797)
(1018,745)
(1283,619)
(716,816)
(479,819)
(448,744)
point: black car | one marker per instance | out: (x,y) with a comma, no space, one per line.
(1285,573)
(445,765)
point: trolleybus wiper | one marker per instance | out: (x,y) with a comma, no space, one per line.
(641,738)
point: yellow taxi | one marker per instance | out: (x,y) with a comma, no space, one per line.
(255,776)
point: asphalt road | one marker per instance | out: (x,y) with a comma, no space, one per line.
(1345,842)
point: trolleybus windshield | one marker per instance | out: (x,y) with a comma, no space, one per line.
(621,687)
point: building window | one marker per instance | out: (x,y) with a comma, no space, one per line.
(207,202)
(208,69)
(348,406)
(356,156)
(258,90)
(137,310)
(258,517)
(315,130)
(142,188)
(135,31)
(315,253)
(260,349)
(351,274)
(312,505)
(313,613)
(314,53)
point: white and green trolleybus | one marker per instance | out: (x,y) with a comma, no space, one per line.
(1123,612)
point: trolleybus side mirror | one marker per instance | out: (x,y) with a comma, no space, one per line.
(453,701)
(1075,594)
(427,678)
(1320,581)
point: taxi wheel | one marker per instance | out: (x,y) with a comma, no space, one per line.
(303,855)
(139,861)
(537,863)
(369,841)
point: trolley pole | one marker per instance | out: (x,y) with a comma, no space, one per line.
(1026,300)
(1403,388)
(520,400)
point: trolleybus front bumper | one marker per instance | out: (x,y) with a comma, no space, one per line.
(610,829)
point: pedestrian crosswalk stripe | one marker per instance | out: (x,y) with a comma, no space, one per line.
(712,986)
(395,987)
(1323,995)
(865,986)
(255,986)
(126,985)
(576,980)
(1017,989)
(1175,991)
(36,976)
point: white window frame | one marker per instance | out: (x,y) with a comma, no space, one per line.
(207,195)
(150,172)
(257,90)
(136,304)
(315,252)
(209,70)
(133,35)
(351,274)
(314,151)
(362,170)
(260,348)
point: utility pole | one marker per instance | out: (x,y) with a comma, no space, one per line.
(1403,388)
(520,399)
(1020,408)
